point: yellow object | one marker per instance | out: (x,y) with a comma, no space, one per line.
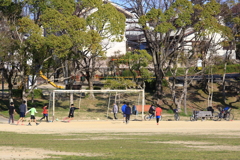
(50,82)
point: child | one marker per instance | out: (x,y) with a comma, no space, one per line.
(158,113)
(45,113)
(33,111)
(71,113)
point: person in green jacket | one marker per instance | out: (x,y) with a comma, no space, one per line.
(32,112)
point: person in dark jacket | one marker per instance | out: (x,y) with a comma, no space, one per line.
(22,110)
(127,113)
(152,111)
(71,113)
(11,111)
(123,111)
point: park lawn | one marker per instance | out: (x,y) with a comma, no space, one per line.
(127,146)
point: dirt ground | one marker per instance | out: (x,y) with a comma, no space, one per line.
(134,127)
(185,127)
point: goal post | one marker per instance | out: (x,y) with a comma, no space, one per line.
(54,94)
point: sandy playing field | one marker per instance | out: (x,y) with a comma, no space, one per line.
(188,127)
(141,127)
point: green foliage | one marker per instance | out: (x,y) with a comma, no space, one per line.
(219,69)
(108,21)
(137,63)
(119,83)
(170,111)
(37,93)
(97,88)
(208,22)
(128,73)
(164,27)
(163,21)
(164,83)
(17,93)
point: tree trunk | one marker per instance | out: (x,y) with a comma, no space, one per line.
(10,87)
(159,78)
(90,85)
(185,91)
(224,82)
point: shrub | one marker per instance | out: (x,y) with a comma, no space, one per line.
(128,73)
(37,93)
(170,111)
(17,92)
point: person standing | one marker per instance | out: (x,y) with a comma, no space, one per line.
(45,113)
(22,110)
(134,110)
(11,111)
(115,110)
(158,113)
(71,113)
(127,113)
(123,111)
(32,112)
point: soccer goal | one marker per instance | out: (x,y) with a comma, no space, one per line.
(94,104)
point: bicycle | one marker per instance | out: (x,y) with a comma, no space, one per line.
(225,114)
(176,115)
(149,116)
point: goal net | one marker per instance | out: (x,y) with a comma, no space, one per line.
(95,104)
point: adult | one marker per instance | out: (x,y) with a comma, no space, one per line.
(115,110)
(134,110)
(22,110)
(11,111)
(158,113)
(127,113)
(123,110)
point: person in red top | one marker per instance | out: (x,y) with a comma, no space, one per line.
(158,113)
(45,113)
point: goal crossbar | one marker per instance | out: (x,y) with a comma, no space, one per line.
(97,91)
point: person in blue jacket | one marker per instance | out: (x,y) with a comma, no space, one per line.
(123,110)
(127,112)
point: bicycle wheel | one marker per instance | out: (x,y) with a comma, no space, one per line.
(176,117)
(229,117)
(147,117)
(192,118)
(215,116)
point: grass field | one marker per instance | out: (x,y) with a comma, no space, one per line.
(116,140)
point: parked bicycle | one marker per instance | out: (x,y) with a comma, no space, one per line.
(149,116)
(224,113)
(176,115)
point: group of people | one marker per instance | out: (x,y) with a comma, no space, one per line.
(23,111)
(155,111)
(127,111)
